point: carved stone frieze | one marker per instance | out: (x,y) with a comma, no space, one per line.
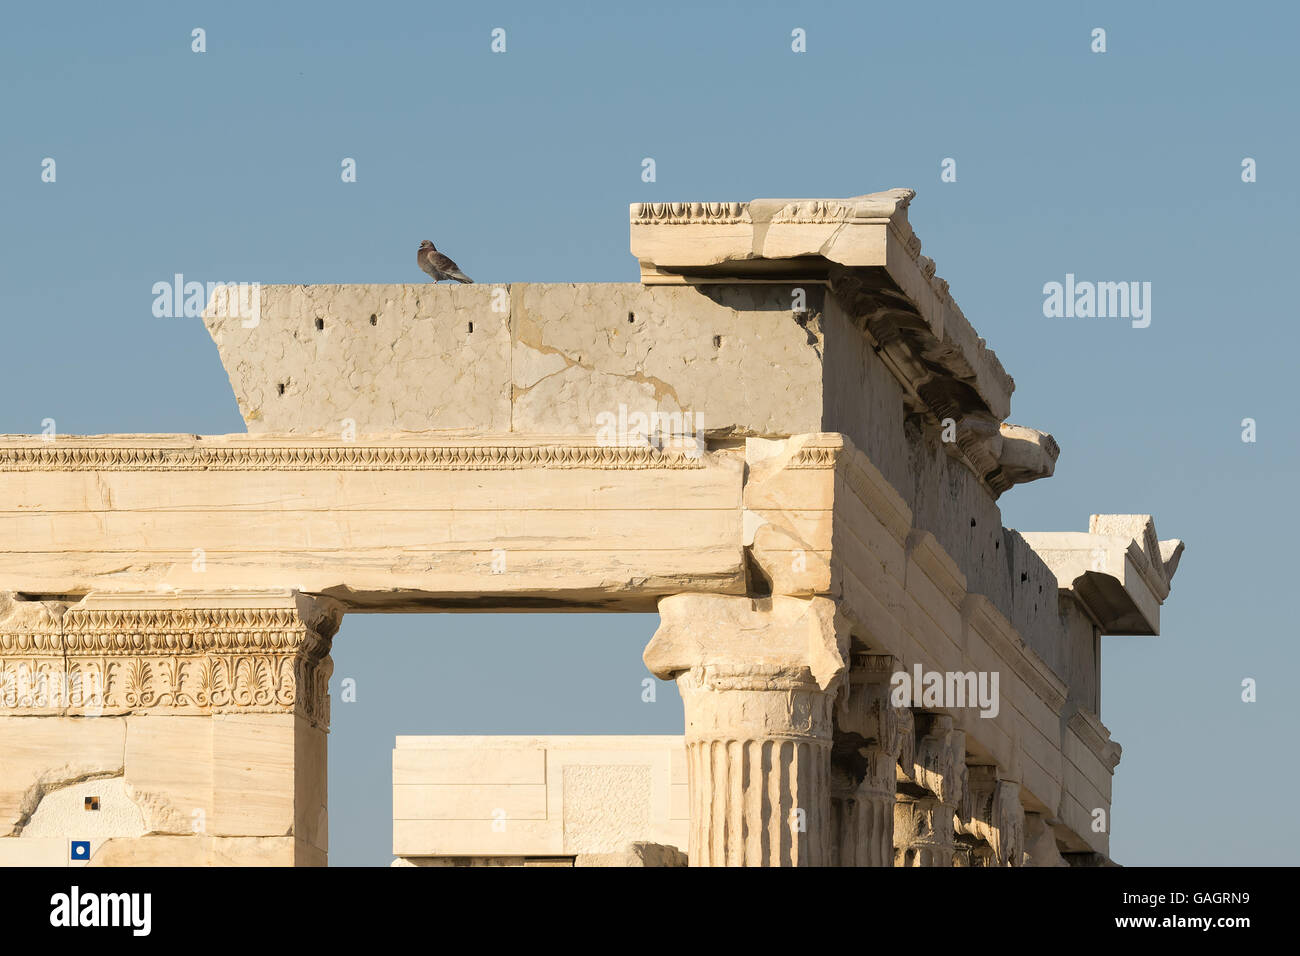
(71,455)
(194,654)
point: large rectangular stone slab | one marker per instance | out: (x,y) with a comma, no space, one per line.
(536,796)
(384,523)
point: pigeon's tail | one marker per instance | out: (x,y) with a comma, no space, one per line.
(460,277)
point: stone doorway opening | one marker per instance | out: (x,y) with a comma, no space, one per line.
(537,673)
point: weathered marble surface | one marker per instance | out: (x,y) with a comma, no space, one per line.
(540,358)
(515,797)
(788,440)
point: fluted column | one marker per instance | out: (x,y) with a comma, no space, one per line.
(758,679)
(930,796)
(871,737)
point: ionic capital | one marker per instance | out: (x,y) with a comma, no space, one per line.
(940,764)
(758,680)
(996,816)
(786,655)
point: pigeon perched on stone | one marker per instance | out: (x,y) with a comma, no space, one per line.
(437,265)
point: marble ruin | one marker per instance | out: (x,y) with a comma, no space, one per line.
(786,439)
(540,801)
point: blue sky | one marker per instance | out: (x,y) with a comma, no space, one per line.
(1122,166)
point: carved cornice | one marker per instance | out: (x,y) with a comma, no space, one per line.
(1155,560)
(873,207)
(865,250)
(1092,733)
(814,211)
(1119,572)
(831,450)
(339,457)
(814,457)
(688,213)
(185,660)
(201,628)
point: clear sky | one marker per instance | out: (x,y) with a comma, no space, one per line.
(1116,166)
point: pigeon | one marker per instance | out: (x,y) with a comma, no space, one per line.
(437,265)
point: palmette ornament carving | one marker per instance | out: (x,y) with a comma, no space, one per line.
(182,660)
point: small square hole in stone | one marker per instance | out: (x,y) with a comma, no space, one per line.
(92,803)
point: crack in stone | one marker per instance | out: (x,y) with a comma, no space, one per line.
(38,791)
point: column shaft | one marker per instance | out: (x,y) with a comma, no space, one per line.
(758,679)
